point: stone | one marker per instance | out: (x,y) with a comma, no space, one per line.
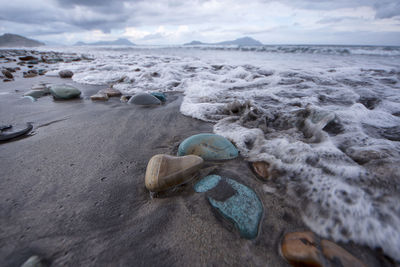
(31,98)
(41,87)
(261,169)
(144,99)
(164,171)
(208,146)
(235,202)
(35,93)
(125,98)
(32,62)
(338,255)
(7,80)
(27,58)
(99,97)
(33,261)
(42,71)
(8,74)
(10,132)
(300,249)
(65,73)
(29,74)
(111,92)
(162,97)
(64,91)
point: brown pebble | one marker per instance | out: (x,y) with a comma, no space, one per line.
(261,169)
(7,74)
(111,92)
(99,97)
(339,256)
(300,249)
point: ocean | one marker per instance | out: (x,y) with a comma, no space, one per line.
(325,118)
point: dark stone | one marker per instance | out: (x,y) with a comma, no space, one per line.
(7,74)
(65,73)
(27,58)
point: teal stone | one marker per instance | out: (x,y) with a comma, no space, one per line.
(64,91)
(207,183)
(208,146)
(162,97)
(243,208)
(144,99)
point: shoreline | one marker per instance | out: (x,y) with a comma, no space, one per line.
(74,191)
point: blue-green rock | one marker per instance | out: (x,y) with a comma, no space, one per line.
(64,91)
(161,96)
(208,146)
(144,99)
(243,208)
(35,93)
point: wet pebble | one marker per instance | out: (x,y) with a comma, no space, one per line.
(65,74)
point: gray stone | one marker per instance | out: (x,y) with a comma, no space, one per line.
(65,73)
(35,93)
(64,91)
(144,99)
(7,74)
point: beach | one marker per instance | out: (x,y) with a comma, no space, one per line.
(72,191)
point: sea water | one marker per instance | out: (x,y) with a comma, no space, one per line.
(325,118)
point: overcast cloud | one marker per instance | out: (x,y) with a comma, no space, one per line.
(180,21)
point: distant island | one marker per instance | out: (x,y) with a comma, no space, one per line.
(244,41)
(120,41)
(14,40)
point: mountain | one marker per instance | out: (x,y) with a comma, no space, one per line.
(244,41)
(12,40)
(120,41)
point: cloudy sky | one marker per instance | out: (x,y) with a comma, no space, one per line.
(179,21)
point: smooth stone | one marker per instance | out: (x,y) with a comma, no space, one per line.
(8,74)
(99,97)
(241,206)
(33,261)
(64,91)
(164,171)
(11,133)
(26,58)
(35,93)
(338,255)
(144,99)
(261,169)
(162,97)
(300,249)
(111,92)
(65,73)
(208,146)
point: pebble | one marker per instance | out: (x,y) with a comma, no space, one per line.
(99,97)
(35,93)
(64,91)
(261,169)
(235,202)
(208,146)
(144,99)
(27,58)
(111,92)
(161,96)
(164,171)
(305,249)
(7,73)
(65,73)
(33,261)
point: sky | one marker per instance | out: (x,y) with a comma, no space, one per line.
(157,22)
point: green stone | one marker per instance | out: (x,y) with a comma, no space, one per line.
(64,91)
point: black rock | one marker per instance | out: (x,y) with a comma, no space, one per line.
(66,74)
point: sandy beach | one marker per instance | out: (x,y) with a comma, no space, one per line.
(73,190)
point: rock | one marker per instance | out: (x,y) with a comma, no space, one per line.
(99,97)
(7,74)
(27,58)
(10,132)
(300,249)
(65,73)
(35,93)
(111,92)
(31,98)
(64,91)
(33,261)
(261,169)
(30,74)
(162,97)
(235,202)
(304,249)
(7,80)
(144,99)
(338,255)
(125,98)
(42,71)
(41,87)
(137,69)
(164,172)
(208,146)
(32,62)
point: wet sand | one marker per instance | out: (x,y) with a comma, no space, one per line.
(73,191)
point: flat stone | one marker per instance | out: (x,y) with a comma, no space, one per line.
(235,202)
(8,74)
(26,58)
(35,93)
(261,169)
(208,146)
(111,92)
(162,97)
(144,99)
(99,97)
(65,73)
(338,255)
(164,171)
(64,91)
(41,87)
(300,249)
